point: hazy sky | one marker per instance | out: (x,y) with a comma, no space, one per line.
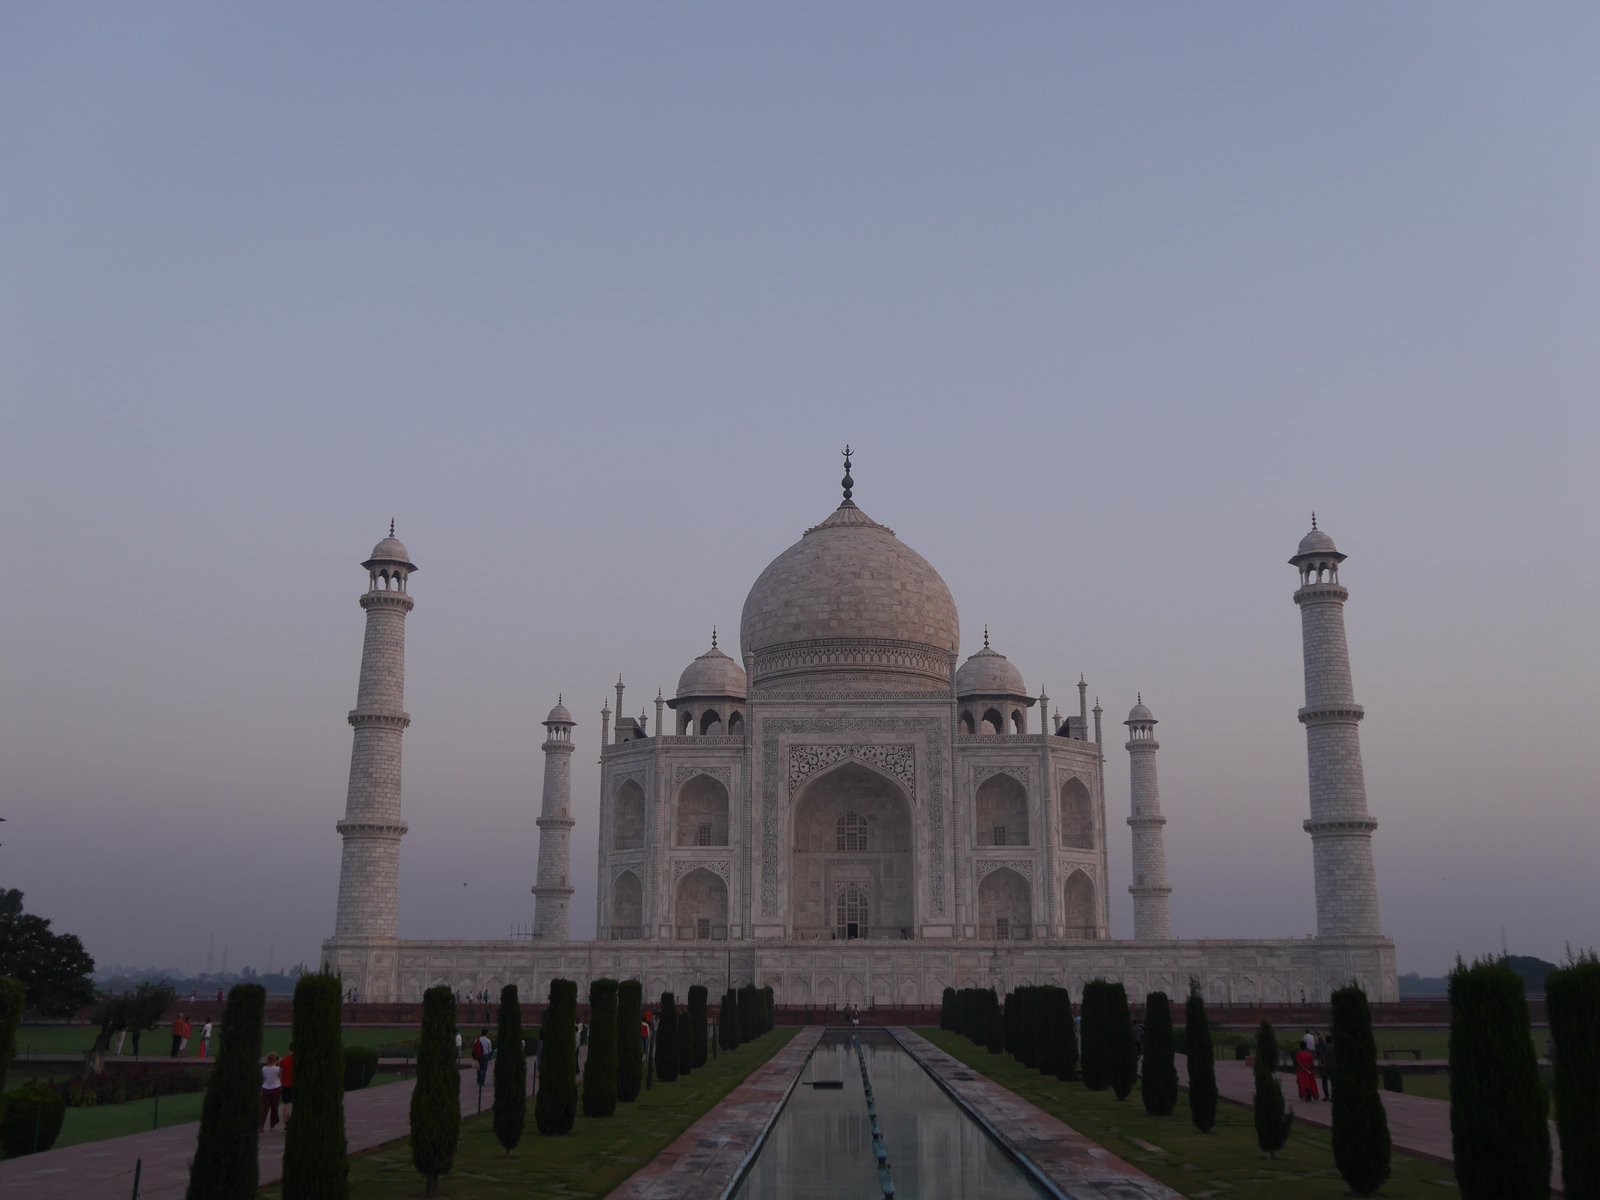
(587,297)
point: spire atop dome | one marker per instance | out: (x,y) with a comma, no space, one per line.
(713,637)
(391,524)
(847,483)
(985,637)
(1313,519)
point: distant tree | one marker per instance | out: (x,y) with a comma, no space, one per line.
(1120,1043)
(555,1107)
(53,968)
(1202,1061)
(1272,1120)
(697,1026)
(225,1165)
(148,1004)
(1159,1084)
(1096,1052)
(1572,998)
(12,999)
(1361,1142)
(667,1038)
(630,1044)
(600,1068)
(314,1145)
(436,1095)
(10,902)
(1499,1131)
(1532,971)
(511,1072)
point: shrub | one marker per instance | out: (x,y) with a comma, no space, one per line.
(1498,1127)
(12,998)
(769,1009)
(630,1045)
(747,1013)
(225,1164)
(1360,1124)
(1394,1079)
(600,1068)
(1272,1121)
(1159,1085)
(436,1096)
(667,1038)
(314,1146)
(697,1026)
(510,1072)
(32,1120)
(555,1108)
(685,1043)
(1121,1048)
(1572,996)
(1096,1056)
(360,1067)
(1202,1061)
(993,1024)
(947,1003)
(1059,1003)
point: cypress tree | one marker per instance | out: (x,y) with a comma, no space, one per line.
(510,1072)
(225,1165)
(994,1027)
(697,1026)
(600,1068)
(1202,1061)
(947,1003)
(1027,1036)
(1360,1124)
(747,1013)
(730,1018)
(1066,1034)
(1121,1050)
(314,1146)
(1009,1011)
(630,1042)
(1159,1084)
(1096,1054)
(1498,1128)
(1572,997)
(667,1038)
(769,1009)
(555,1106)
(1049,1039)
(436,1096)
(1272,1121)
(685,1043)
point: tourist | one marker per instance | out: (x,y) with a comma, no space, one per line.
(205,1037)
(219,995)
(1324,1054)
(458,1045)
(121,1034)
(286,1077)
(482,1052)
(271,1091)
(180,1031)
(1309,1041)
(1305,1073)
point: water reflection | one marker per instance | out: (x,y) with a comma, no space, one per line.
(821,1146)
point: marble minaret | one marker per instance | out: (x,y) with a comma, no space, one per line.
(553,892)
(1340,826)
(369,871)
(1152,917)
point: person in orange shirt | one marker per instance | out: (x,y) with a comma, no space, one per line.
(286,1077)
(180,1030)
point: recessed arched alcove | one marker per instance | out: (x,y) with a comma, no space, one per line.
(627,907)
(1002,812)
(702,817)
(851,832)
(1005,905)
(700,907)
(627,817)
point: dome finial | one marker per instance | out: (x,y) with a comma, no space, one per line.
(391,526)
(1140,695)
(713,637)
(1313,518)
(985,637)
(847,483)
(558,697)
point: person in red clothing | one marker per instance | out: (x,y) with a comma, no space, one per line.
(180,1030)
(1305,1073)
(286,1078)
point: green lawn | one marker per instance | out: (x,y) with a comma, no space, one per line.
(1224,1162)
(76,1039)
(589,1162)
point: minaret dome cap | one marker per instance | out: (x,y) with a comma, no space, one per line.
(559,716)
(1140,714)
(388,552)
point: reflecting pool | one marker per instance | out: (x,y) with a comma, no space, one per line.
(820,1147)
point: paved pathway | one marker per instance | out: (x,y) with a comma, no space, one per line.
(93,1170)
(1417,1124)
(707,1158)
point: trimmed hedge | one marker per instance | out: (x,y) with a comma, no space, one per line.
(1272,1120)
(1498,1129)
(947,1004)
(555,1108)
(225,1164)
(1360,1124)
(685,1043)
(600,1068)
(1159,1084)
(697,1026)
(1097,1051)
(32,1120)
(1202,1061)
(630,1043)
(314,1145)
(360,1067)
(436,1096)
(1572,997)
(667,1038)
(510,1072)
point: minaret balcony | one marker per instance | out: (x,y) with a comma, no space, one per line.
(1331,714)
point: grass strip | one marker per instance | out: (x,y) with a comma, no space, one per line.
(591,1161)
(1224,1162)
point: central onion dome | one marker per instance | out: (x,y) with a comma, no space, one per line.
(850,607)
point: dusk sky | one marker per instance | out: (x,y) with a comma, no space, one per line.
(1107,298)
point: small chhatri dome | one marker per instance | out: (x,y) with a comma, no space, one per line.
(1316,542)
(989,673)
(391,550)
(712,674)
(559,715)
(1139,714)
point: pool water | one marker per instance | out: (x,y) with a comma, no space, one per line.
(820,1147)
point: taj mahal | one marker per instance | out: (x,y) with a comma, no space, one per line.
(853,815)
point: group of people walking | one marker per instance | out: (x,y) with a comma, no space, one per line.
(181,1029)
(1313,1062)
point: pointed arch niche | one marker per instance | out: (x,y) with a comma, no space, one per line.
(851,830)
(1002,811)
(700,907)
(627,907)
(1005,905)
(702,817)
(627,817)
(1080,917)
(1077,815)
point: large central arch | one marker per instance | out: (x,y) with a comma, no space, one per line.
(851,837)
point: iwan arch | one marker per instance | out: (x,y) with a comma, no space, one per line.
(852,814)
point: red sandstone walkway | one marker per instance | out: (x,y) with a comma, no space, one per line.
(93,1170)
(1417,1124)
